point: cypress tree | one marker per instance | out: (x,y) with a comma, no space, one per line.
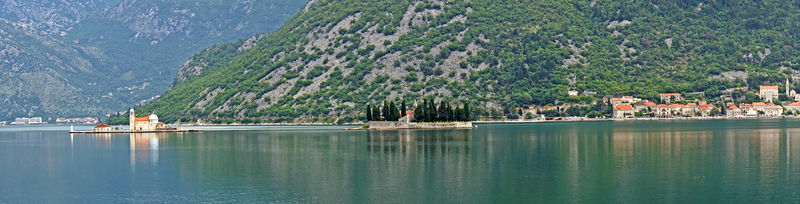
(450,113)
(425,110)
(420,112)
(432,114)
(442,110)
(385,111)
(392,112)
(467,112)
(457,113)
(369,112)
(403,108)
(376,113)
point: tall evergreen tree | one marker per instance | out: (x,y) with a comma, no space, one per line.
(432,114)
(393,113)
(419,113)
(385,111)
(457,113)
(376,113)
(403,108)
(467,113)
(369,112)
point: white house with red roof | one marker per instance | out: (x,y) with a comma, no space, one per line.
(773,111)
(624,111)
(733,111)
(793,107)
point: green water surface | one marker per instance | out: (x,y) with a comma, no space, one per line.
(733,161)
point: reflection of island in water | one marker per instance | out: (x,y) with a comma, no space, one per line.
(419,141)
(145,146)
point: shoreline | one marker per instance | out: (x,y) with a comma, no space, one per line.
(495,122)
(133,131)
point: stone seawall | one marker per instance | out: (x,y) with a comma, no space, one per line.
(393,125)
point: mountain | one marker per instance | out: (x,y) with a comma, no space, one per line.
(333,58)
(88,58)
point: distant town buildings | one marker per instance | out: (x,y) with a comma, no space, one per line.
(86,120)
(772,104)
(623,109)
(28,121)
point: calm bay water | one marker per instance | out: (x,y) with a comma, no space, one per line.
(670,161)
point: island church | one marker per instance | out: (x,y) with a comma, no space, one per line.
(149,123)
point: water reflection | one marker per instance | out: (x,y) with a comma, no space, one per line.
(698,161)
(407,141)
(144,147)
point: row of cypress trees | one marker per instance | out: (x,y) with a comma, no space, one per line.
(427,111)
(389,112)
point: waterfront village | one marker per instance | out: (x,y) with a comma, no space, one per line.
(674,105)
(41,121)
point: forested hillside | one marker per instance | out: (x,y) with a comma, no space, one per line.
(69,58)
(339,55)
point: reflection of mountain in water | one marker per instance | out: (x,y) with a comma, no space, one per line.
(454,141)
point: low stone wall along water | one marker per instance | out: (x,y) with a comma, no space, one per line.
(394,125)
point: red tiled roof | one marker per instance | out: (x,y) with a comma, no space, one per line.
(769,87)
(623,107)
(141,119)
(101,126)
(661,106)
(670,94)
(774,107)
(794,104)
(676,106)
(759,104)
(646,103)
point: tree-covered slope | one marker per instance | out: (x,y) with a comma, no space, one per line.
(338,56)
(86,58)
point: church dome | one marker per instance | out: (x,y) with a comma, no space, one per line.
(153,117)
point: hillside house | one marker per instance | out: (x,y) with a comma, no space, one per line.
(768,93)
(669,97)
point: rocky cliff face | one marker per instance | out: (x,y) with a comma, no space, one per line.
(81,58)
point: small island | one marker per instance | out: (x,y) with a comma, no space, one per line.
(147,124)
(427,115)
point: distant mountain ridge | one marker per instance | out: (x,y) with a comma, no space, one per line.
(87,58)
(337,56)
